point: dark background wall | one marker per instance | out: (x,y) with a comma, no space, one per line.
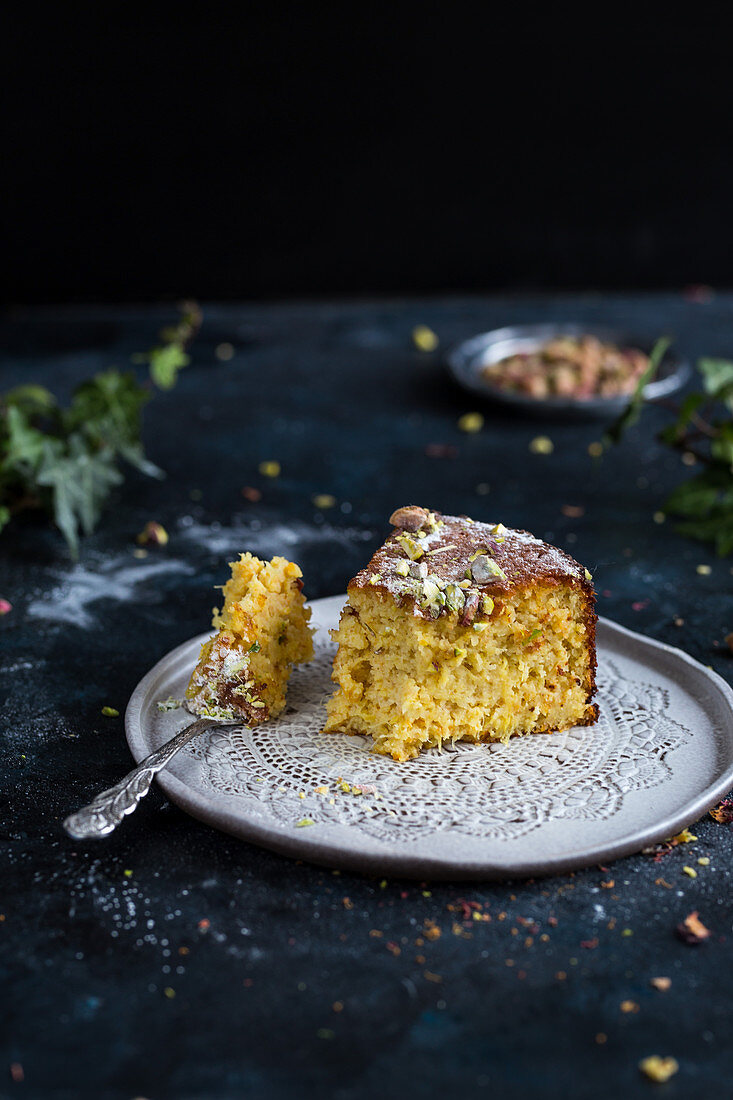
(250,150)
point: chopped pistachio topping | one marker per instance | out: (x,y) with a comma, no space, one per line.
(487,604)
(431,597)
(588,575)
(424,338)
(471,422)
(485,569)
(411,548)
(501,530)
(255,647)
(402,569)
(531,636)
(480,627)
(418,570)
(454,597)
(271,468)
(375,578)
(458,652)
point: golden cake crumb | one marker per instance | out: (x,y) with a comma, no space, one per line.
(263,631)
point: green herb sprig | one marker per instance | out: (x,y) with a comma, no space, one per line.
(65,461)
(702,427)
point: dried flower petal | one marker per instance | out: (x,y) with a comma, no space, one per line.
(5,607)
(723,812)
(441,450)
(692,931)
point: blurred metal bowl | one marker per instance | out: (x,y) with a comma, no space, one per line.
(467,360)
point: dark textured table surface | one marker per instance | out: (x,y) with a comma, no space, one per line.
(174,961)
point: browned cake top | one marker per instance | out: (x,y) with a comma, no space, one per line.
(443,564)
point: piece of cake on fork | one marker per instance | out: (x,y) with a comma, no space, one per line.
(243,670)
(463,631)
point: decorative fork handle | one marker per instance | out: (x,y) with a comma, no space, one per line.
(106,811)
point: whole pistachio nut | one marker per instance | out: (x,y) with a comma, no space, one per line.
(409,518)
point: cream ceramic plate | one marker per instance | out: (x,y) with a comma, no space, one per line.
(660,756)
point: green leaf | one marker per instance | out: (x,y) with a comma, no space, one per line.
(717,378)
(135,455)
(107,409)
(165,363)
(673,433)
(25,443)
(80,484)
(706,503)
(65,461)
(632,412)
(721,448)
(31,400)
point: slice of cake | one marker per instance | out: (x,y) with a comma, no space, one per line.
(463,631)
(263,631)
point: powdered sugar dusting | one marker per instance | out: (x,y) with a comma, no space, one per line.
(71,600)
(265,539)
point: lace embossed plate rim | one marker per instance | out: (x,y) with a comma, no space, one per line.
(679,789)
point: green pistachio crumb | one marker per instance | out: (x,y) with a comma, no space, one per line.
(110,712)
(410,547)
(169,704)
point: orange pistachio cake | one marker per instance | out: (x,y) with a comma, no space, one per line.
(463,631)
(262,632)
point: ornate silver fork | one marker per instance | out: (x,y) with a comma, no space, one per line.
(105,812)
